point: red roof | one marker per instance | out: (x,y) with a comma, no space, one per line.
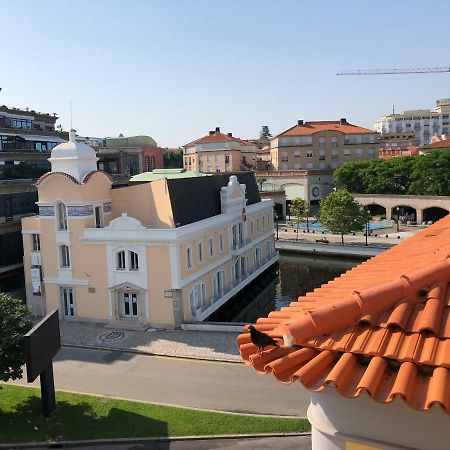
(309,128)
(444,143)
(217,136)
(382,328)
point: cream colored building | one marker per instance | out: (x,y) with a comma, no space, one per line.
(219,152)
(154,254)
(323,145)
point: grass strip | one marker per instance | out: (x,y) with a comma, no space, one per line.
(89,417)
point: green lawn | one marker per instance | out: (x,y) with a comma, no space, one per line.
(89,417)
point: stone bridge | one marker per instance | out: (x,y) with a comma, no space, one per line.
(420,207)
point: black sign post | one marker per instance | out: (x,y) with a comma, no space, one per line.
(42,343)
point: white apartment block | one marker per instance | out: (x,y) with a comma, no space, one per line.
(424,123)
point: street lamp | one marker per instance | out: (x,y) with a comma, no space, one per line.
(397,209)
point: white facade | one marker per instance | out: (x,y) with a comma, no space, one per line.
(423,122)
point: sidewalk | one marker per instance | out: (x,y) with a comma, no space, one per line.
(213,345)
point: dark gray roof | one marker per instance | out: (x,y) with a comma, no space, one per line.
(195,199)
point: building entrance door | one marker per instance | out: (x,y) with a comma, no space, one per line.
(129,307)
(67,302)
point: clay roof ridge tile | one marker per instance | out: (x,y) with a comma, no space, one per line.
(334,316)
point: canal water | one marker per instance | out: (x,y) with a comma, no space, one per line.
(295,276)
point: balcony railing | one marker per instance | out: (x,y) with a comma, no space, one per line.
(234,284)
(240,244)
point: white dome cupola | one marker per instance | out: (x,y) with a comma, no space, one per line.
(74,158)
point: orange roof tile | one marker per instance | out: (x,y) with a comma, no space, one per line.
(382,328)
(217,136)
(444,143)
(309,128)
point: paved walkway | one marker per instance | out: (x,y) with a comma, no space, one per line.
(214,345)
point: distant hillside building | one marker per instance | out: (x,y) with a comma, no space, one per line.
(218,152)
(27,137)
(423,122)
(129,155)
(322,145)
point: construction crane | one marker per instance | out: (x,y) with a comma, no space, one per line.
(394,71)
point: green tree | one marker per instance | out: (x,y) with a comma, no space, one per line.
(299,211)
(173,158)
(264,134)
(13,326)
(261,181)
(340,213)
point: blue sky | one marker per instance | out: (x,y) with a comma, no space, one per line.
(176,69)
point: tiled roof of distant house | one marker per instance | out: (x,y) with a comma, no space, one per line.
(382,328)
(217,136)
(309,128)
(444,143)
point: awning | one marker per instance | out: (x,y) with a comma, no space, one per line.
(34,137)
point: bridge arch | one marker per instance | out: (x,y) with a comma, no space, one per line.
(434,213)
(404,213)
(376,209)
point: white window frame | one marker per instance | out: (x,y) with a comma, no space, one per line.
(120,260)
(98,216)
(201,251)
(309,154)
(36,242)
(133,260)
(221,243)
(61,217)
(211,247)
(64,256)
(189,257)
(197,293)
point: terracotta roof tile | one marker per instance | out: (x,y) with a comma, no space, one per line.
(218,137)
(382,328)
(309,128)
(444,143)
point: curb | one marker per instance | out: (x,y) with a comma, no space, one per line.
(118,441)
(144,353)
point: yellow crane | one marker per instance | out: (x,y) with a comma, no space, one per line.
(394,71)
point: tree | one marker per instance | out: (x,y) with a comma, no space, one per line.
(340,213)
(261,181)
(173,158)
(299,210)
(264,134)
(13,326)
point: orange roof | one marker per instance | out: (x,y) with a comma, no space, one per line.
(309,128)
(217,136)
(444,143)
(382,328)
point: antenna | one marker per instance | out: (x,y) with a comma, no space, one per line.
(393,109)
(70,103)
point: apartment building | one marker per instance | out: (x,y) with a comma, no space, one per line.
(423,122)
(26,139)
(323,145)
(218,152)
(152,254)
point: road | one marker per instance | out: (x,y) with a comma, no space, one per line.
(175,381)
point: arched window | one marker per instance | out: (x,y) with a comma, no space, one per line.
(258,256)
(61,216)
(237,235)
(219,283)
(64,256)
(120,260)
(134,261)
(147,163)
(268,249)
(197,297)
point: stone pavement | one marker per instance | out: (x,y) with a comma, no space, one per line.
(214,345)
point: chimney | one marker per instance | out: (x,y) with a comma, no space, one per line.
(230,134)
(217,129)
(211,133)
(343,121)
(299,123)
